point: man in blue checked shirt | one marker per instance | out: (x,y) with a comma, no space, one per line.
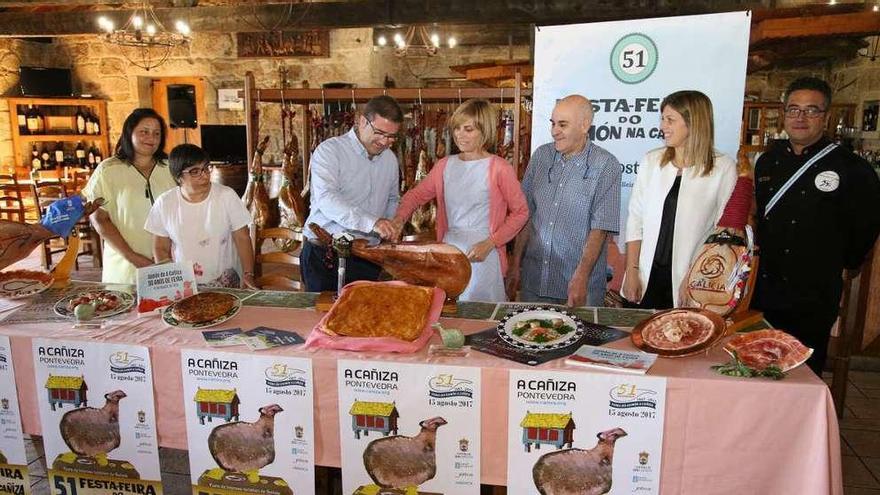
(573,190)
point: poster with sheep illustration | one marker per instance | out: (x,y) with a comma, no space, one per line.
(13,458)
(95,402)
(584,433)
(249,423)
(409,429)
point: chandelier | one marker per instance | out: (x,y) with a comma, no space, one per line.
(145,41)
(416,41)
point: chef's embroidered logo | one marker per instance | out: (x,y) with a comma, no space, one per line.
(634,58)
(122,362)
(280,375)
(463,444)
(827,181)
(643,458)
(445,386)
(627,396)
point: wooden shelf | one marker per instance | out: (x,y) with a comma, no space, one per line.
(66,138)
(22,143)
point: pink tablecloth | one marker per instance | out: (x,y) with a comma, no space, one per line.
(722,435)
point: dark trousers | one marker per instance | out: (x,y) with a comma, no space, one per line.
(319,271)
(809,326)
(658,293)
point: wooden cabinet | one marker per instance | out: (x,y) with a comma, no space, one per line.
(763,121)
(59,131)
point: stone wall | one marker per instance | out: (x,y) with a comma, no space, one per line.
(101,70)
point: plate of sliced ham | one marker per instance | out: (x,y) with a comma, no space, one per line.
(679,332)
(763,348)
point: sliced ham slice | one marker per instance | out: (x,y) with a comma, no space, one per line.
(764,348)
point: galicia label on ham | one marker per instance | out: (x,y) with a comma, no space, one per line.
(716,280)
(764,348)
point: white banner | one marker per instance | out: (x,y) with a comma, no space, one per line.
(98,419)
(627,67)
(13,458)
(409,428)
(249,423)
(584,433)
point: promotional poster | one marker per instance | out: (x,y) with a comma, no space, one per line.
(409,429)
(584,433)
(13,458)
(99,424)
(629,68)
(249,423)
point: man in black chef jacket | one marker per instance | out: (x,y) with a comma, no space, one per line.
(818,212)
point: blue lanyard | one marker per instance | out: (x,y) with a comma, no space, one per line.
(586,163)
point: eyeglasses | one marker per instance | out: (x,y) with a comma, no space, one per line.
(809,112)
(380,133)
(197,171)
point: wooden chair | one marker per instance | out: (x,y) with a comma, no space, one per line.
(79,179)
(11,202)
(285,274)
(45,193)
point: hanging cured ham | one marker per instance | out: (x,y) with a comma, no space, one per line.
(291,203)
(256,196)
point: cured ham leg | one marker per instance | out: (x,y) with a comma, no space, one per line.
(256,196)
(291,203)
(18,240)
(431,264)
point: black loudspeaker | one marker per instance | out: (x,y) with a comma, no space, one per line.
(182,106)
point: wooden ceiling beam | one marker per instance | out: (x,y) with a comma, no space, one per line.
(853,24)
(369,13)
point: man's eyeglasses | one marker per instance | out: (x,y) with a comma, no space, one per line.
(380,133)
(809,112)
(197,171)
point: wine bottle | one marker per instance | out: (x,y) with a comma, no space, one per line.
(98,157)
(22,120)
(50,159)
(96,125)
(80,121)
(80,155)
(59,153)
(32,121)
(36,163)
(41,121)
(89,123)
(44,157)
(91,158)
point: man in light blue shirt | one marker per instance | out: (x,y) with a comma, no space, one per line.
(354,188)
(572,187)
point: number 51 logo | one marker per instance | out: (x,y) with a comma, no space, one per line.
(633,58)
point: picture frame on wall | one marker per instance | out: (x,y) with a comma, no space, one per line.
(276,44)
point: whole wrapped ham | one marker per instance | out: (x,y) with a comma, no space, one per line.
(256,196)
(764,348)
(431,264)
(717,279)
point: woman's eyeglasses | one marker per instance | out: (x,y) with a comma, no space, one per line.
(197,171)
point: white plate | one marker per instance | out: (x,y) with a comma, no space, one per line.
(16,284)
(507,326)
(126,301)
(171,321)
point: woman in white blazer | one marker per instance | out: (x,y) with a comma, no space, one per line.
(678,197)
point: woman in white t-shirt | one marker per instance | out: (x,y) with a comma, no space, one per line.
(202,222)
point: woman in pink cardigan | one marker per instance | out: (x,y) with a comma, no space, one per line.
(480,204)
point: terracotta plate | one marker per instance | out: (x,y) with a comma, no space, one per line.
(15,284)
(679,332)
